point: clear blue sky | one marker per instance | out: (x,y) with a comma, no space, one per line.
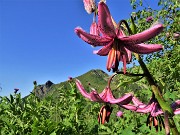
(37,41)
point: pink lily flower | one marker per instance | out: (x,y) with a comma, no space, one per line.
(154,109)
(116,45)
(105,96)
(89,6)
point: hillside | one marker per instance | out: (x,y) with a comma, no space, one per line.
(89,79)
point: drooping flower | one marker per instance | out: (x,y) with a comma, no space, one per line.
(154,110)
(149,19)
(106,97)
(89,6)
(115,43)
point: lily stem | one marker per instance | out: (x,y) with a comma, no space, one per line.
(157,92)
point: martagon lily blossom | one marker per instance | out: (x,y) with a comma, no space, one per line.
(116,45)
(106,97)
(154,110)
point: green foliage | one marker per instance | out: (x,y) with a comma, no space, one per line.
(63,110)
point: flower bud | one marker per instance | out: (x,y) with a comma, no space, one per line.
(94,29)
(70,79)
(176,35)
(89,6)
(119,114)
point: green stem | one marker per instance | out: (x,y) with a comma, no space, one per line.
(157,92)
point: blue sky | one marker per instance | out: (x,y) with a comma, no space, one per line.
(37,41)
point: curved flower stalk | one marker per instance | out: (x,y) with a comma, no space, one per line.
(116,45)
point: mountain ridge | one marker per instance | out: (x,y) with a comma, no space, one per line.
(95,78)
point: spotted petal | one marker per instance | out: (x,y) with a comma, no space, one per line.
(104,21)
(143,36)
(144,48)
(92,39)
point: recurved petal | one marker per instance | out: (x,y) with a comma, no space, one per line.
(143,36)
(129,107)
(146,109)
(126,99)
(104,21)
(104,50)
(144,48)
(92,39)
(177,111)
(82,90)
(138,103)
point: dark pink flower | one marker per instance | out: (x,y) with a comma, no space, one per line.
(154,110)
(116,45)
(149,19)
(152,107)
